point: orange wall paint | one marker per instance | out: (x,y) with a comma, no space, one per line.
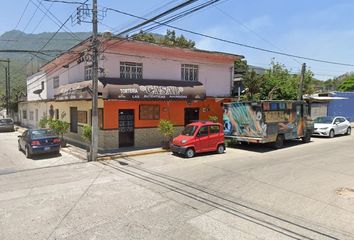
(171,110)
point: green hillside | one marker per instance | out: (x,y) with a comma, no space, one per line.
(21,64)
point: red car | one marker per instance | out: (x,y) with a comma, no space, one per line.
(199,137)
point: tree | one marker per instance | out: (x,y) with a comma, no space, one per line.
(348,84)
(169,39)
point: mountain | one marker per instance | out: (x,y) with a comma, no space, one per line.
(21,65)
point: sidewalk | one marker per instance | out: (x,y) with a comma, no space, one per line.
(82,154)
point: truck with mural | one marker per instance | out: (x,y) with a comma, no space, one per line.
(267,122)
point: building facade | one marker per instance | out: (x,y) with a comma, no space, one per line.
(139,84)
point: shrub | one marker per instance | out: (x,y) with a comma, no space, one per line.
(43,122)
(214,119)
(86,133)
(60,127)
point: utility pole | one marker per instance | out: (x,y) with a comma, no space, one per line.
(7,85)
(302,79)
(94,140)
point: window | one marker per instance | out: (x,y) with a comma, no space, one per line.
(31,114)
(88,72)
(203,131)
(214,129)
(149,112)
(131,70)
(36,115)
(189,72)
(55,82)
(57,114)
(82,117)
(24,114)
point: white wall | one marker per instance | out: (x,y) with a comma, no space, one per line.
(215,77)
(29,107)
(34,83)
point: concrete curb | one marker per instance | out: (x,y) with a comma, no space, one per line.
(132,154)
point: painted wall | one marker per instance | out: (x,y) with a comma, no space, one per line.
(34,83)
(343,107)
(173,111)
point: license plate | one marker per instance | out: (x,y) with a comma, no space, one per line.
(46,148)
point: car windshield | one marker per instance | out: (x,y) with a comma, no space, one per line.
(189,130)
(324,120)
(42,133)
(6,121)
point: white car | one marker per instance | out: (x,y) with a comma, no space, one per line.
(331,126)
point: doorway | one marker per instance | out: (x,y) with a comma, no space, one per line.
(73,119)
(191,115)
(126,127)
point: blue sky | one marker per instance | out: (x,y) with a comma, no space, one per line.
(317,29)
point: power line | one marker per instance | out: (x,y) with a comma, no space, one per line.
(23,13)
(31,18)
(170,19)
(182,14)
(186,3)
(41,20)
(56,21)
(239,44)
(67,2)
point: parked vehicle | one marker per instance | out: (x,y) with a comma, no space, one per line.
(38,141)
(331,126)
(6,125)
(267,122)
(198,137)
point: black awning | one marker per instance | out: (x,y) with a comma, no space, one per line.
(149,89)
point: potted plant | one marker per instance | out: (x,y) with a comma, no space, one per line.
(86,135)
(43,122)
(60,127)
(166,129)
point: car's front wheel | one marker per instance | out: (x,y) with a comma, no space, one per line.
(349,131)
(190,153)
(331,133)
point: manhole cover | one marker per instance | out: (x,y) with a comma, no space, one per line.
(345,192)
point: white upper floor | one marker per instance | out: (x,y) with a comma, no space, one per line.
(139,60)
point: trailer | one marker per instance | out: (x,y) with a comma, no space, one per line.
(267,122)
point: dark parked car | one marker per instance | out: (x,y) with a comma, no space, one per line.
(37,141)
(6,124)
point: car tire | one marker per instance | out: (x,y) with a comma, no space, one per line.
(306,138)
(220,149)
(19,147)
(349,131)
(27,152)
(331,134)
(279,142)
(190,153)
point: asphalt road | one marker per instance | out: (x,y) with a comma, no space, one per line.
(251,192)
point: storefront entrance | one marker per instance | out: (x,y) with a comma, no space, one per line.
(190,115)
(126,127)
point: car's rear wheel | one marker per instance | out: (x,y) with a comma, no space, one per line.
(190,153)
(279,142)
(349,131)
(331,133)
(27,152)
(19,147)
(220,149)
